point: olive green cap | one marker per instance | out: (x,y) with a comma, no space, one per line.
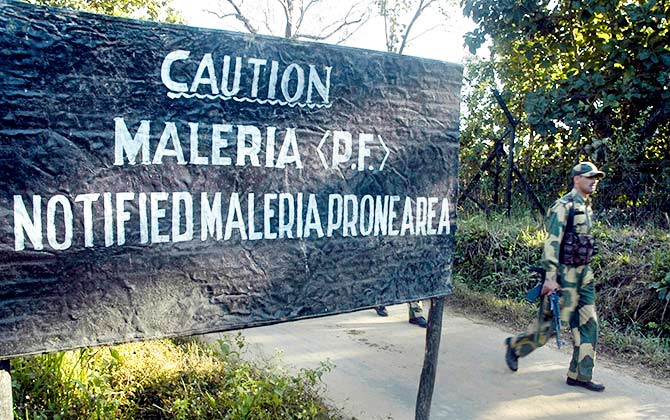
(588,170)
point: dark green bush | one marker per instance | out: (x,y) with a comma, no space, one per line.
(494,254)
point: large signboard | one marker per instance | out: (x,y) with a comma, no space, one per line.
(161,180)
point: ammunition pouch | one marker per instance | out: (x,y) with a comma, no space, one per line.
(577,249)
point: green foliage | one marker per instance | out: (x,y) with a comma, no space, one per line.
(156,10)
(632,273)
(495,255)
(631,262)
(589,80)
(163,379)
(632,268)
(662,288)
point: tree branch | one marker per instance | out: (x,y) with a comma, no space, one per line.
(328,32)
(219,15)
(419,10)
(287,6)
(237,15)
(303,13)
(419,35)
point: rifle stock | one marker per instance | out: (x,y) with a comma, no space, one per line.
(534,294)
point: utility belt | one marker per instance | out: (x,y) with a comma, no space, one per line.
(577,249)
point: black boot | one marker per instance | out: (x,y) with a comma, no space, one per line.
(591,386)
(381,311)
(511,358)
(419,320)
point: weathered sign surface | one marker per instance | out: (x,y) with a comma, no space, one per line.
(161,180)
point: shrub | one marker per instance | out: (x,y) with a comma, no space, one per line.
(494,254)
(632,268)
(176,379)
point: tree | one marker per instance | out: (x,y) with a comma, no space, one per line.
(156,10)
(401,16)
(590,78)
(313,20)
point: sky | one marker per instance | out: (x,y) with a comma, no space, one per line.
(437,39)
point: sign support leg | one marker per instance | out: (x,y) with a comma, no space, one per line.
(6,404)
(427,381)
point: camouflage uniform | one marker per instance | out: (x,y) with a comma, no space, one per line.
(578,292)
(415,309)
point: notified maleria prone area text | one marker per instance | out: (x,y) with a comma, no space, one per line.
(283,215)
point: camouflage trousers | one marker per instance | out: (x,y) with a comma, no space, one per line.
(415,309)
(578,311)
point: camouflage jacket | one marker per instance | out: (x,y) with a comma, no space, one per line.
(557,219)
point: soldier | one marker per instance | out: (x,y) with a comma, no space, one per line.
(415,313)
(568,250)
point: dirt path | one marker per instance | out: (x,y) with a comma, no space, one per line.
(378,363)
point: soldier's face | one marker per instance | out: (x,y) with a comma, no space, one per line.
(585,185)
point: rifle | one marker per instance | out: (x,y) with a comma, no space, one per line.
(555,305)
(554,301)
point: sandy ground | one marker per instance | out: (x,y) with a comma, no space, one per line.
(378,363)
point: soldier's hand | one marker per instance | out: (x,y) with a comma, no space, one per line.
(550,286)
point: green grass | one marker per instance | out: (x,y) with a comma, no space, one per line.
(163,379)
